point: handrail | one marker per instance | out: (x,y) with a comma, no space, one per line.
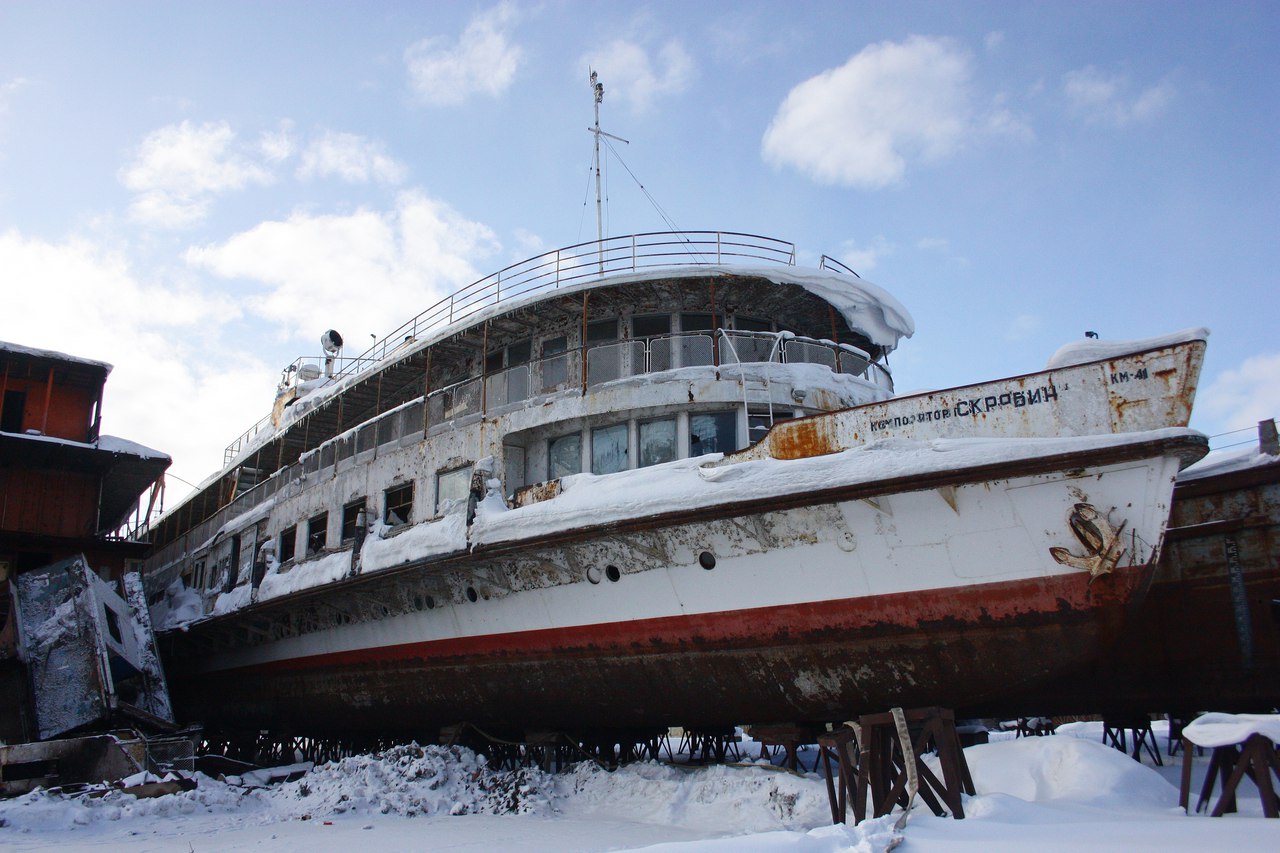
(557,268)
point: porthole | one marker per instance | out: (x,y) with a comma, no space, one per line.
(472,595)
(594,574)
(431,603)
(612,573)
(707,560)
(417,602)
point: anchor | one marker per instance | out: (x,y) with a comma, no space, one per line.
(1100,539)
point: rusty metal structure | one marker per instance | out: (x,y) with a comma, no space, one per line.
(70,498)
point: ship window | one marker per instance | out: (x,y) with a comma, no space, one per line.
(758,424)
(716,432)
(519,353)
(198,579)
(696,322)
(113,625)
(751,324)
(609,449)
(399,504)
(650,325)
(366,437)
(493,362)
(317,533)
(11,415)
(288,542)
(350,515)
(564,455)
(555,365)
(657,442)
(451,486)
(600,331)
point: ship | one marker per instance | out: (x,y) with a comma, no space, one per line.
(658,480)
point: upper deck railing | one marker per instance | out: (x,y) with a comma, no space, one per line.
(560,268)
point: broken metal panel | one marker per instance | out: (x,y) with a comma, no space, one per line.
(90,654)
(27,766)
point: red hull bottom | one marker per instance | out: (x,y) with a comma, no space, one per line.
(824,661)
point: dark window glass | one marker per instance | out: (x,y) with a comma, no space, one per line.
(11,416)
(399,504)
(650,325)
(493,362)
(317,533)
(752,324)
(288,541)
(695,323)
(554,346)
(716,432)
(350,513)
(518,354)
(599,331)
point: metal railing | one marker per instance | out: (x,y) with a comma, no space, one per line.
(559,268)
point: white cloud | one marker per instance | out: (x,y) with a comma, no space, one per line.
(362,273)
(1101,98)
(179,169)
(993,40)
(861,123)
(1022,327)
(483,61)
(1239,398)
(163,337)
(352,158)
(636,78)
(277,145)
(864,258)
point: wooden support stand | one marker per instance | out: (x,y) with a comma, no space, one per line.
(1255,756)
(880,769)
(790,738)
(1113,733)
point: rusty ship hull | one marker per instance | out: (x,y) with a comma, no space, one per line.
(1208,633)
(817,604)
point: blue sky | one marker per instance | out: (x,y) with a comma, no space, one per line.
(194,192)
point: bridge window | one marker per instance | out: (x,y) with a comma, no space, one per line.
(715,432)
(650,325)
(751,324)
(564,455)
(602,331)
(609,449)
(657,442)
(12,410)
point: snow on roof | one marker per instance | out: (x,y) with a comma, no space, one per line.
(33,352)
(1227,461)
(114,444)
(107,443)
(1092,349)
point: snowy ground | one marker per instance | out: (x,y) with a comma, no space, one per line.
(1059,793)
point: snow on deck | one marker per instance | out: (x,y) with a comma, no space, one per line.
(591,499)
(1092,349)
(1226,462)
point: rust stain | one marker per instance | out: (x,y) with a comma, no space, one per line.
(805,438)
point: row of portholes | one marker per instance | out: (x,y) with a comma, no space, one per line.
(706,559)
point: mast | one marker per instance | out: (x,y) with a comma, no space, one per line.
(597,89)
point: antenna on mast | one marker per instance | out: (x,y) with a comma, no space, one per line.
(597,89)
